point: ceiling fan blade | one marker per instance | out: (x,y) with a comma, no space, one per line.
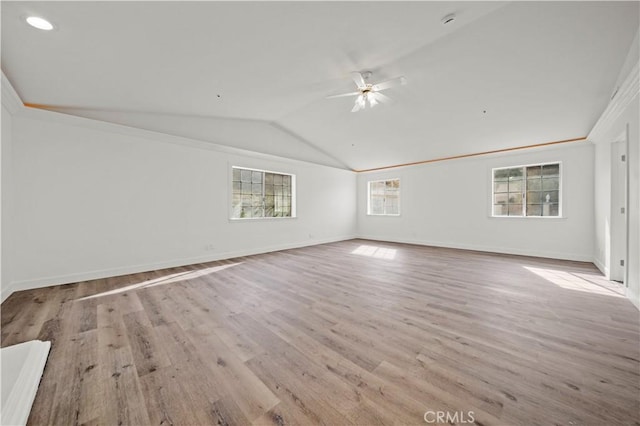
(359,104)
(342,95)
(358,79)
(398,81)
(380,97)
(373,100)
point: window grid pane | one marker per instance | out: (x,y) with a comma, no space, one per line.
(515,210)
(534,210)
(384,197)
(258,194)
(536,189)
(500,209)
(501,187)
(377,204)
(500,199)
(551,170)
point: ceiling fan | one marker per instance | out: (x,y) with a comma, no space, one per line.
(368,92)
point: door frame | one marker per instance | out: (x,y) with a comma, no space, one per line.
(619,200)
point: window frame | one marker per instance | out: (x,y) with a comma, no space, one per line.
(524,191)
(263,171)
(369,213)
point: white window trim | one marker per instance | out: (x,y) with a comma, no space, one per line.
(369,198)
(560,193)
(294,203)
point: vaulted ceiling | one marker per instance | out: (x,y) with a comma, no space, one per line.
(254,75)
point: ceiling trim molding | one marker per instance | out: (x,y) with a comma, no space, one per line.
(10,98)
(627,92)
(475,154)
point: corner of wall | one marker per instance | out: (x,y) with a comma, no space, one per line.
(7,290)
(10,99)
(11,105)
(623,98)
(633,297)
(601,266)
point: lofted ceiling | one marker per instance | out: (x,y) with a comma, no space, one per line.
(254,75)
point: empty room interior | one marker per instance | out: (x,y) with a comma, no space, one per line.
(338,213)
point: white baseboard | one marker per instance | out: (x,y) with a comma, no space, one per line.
(488,249)
(22,368)
(601,267)
(635,298)
(134,269)
(6,291)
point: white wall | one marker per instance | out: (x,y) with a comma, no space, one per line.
(6,199)
(633,277)
(94,199)
(449,204)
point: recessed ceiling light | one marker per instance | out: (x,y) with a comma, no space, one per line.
(39,23)
(448,19)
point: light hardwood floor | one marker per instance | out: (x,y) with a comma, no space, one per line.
(356,332)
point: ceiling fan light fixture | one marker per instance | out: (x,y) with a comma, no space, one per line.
(368,92)
(39,23)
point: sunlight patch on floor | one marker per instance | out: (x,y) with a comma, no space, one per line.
(172,278)
(579,282)
(377,252)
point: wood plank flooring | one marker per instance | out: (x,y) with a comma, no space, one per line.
(356,332)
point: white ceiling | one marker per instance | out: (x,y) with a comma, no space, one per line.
(542,71)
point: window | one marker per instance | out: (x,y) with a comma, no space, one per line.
(384,197)
(262,194)
(527,190)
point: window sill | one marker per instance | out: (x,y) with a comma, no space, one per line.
(259,219)
(529,217)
